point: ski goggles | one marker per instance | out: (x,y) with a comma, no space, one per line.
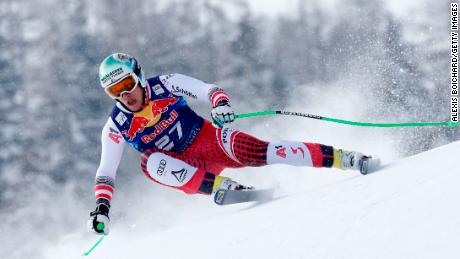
(125,85)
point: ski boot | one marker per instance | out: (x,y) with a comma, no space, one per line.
(226,183)
(346,160)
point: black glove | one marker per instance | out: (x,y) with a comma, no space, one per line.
(99,219)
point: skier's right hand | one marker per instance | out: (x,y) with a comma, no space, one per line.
(99,220)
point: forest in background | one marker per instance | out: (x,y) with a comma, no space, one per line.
(53,108)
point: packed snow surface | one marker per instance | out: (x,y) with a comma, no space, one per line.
(408,209)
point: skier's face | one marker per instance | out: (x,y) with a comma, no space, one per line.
(133,100)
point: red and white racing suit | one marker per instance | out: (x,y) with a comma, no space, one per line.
(184,151)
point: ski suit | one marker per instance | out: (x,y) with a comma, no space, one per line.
(182,150)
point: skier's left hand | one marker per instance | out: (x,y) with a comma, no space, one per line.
(222,114)
(99,220)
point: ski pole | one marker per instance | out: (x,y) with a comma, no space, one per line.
(100,227)
(354,123)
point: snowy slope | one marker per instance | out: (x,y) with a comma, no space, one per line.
(409,209)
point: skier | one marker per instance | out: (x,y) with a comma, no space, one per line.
(179,148)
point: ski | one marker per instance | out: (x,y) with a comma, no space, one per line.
(368,165)
(226,197)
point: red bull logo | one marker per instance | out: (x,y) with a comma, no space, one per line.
(160,127)
(149,116)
